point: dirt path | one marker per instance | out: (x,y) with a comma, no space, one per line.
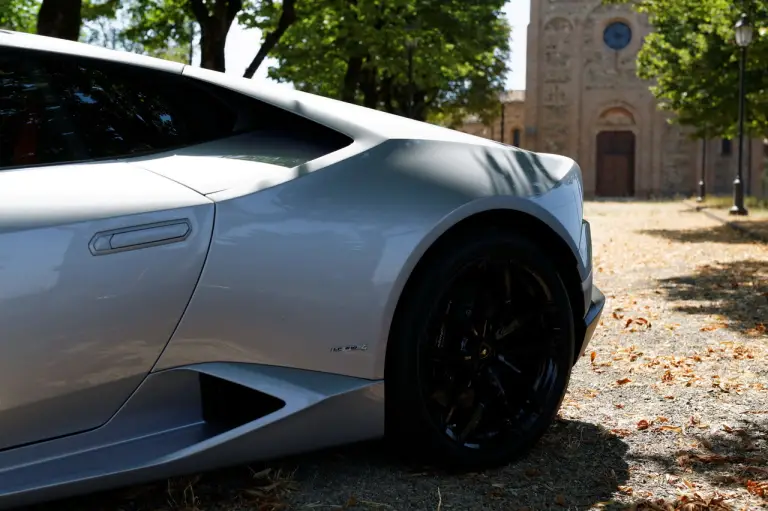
(673,406)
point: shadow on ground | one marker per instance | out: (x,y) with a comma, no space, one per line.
(576,464)
(736,457)
(738,232)
(736,290)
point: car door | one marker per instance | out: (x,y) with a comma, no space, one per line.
(98,257)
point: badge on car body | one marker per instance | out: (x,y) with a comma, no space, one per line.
(351,347)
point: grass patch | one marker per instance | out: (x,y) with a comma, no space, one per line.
(726,201)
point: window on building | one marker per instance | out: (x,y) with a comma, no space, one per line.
(726,147)
(516,137)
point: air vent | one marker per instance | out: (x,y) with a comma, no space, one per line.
(227,405)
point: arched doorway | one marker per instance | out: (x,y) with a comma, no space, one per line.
(615,155)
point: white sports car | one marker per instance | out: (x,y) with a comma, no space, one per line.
(198,271)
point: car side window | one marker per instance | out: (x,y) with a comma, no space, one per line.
(33,128)
(56,109)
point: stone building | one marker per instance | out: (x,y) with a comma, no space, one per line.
(583,99)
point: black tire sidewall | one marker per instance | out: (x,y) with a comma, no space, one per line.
(407,420)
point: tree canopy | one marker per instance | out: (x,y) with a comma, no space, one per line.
(436,59)
(428,59)
(692,63)
(19,15)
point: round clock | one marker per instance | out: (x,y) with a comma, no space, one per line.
(617,35)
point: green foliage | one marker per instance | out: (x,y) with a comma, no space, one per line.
(692,63)
(99,9)
(108,24)
(19,15)
(157,25)
(161,24)
(358,50)
(431,59)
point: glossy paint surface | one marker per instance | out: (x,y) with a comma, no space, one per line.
(159,432)
(80,331)
(265,264)
(307,274)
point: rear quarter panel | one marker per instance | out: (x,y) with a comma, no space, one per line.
(318,263)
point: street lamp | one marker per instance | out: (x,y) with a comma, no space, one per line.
(503,102)
(743,32)
(703,176)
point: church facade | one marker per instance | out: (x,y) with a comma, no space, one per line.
(583,99)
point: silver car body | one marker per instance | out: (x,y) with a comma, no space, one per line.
(134,291)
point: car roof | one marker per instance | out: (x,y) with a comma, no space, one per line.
(354,120)
(21,40)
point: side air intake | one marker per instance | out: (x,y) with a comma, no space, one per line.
(227,405)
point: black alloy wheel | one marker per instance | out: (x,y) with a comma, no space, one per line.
(480,360)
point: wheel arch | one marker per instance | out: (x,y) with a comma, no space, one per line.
(518,221)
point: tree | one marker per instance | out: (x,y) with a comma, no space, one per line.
(18,15)
(159,24)
(692,63)
(60,18)
(63,19)
(421,58)
(215,18)
(104,28)
(262,16)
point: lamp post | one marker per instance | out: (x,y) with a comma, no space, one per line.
(703,176)
(743,32)
(503,101)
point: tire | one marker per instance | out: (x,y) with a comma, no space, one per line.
(428,343)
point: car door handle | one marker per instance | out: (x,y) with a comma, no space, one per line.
(140,236)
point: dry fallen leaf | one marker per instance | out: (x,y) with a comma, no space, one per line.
(532,472)
(759,488)
(676,429)
(623,381)
(643,424)
(560,500)
(592,356)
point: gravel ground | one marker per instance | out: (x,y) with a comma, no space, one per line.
(668,410)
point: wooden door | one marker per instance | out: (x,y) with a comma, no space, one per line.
(615,164)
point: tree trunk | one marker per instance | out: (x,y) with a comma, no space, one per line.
(212,43)
(214,29)
(419,110)
(60,18)
(287,18)
(368,84)
(351,79)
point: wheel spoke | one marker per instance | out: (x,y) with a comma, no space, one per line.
(488,356)
(474,421)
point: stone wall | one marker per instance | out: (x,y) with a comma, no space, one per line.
(577,86)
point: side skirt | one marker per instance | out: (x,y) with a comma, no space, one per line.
(198,418)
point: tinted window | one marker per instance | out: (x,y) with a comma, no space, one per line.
(55,109)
